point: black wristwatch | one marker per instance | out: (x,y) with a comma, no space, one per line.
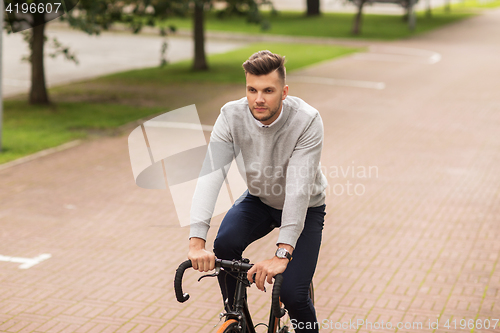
(283,254)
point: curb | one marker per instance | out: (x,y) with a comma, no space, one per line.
(41,153)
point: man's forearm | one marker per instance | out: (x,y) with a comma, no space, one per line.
(218,158)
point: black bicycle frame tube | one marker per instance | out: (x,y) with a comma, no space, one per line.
(241,305)
(248,318)
(272,322)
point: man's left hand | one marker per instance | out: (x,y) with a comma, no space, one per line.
(266,269)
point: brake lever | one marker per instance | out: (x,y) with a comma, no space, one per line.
(217,271)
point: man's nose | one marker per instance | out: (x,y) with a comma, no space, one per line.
(260,98)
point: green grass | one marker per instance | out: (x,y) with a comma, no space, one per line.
(226,68)
(473,4)
(28,129)
(95,107)
(334,25)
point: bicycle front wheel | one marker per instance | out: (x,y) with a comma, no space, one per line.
(229,326)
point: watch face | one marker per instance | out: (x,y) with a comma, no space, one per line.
(281,253)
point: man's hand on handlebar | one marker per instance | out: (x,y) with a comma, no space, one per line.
(267,269)
(201,259)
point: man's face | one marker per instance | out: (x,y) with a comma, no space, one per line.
(265,94)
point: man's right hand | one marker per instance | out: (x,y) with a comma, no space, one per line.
(201,259)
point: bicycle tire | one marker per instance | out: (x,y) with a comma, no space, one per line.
(229,326)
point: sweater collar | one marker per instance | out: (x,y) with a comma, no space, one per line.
(277,124)
(274,122)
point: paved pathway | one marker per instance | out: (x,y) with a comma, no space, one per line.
(418,241)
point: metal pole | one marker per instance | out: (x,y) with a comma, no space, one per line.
(1,71)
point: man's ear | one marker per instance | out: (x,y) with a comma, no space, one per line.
(285,92)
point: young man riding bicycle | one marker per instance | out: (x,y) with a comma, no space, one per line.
(279,139)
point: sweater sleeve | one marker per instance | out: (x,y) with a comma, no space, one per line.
(301,173)
(213,172)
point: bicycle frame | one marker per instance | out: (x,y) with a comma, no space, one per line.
(240,306)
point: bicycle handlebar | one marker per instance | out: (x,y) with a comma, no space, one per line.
(179,273)
(238,265)
(235,264)
(275,305)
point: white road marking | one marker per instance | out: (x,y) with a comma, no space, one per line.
(399,54)
(337,82)
(26,262)
(191,126)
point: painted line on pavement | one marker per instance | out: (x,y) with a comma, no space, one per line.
(337,82)
(191,126)
(26,262)
(399,54)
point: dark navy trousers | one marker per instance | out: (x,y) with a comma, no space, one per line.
(250,219)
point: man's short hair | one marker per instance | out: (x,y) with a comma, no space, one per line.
(265,62)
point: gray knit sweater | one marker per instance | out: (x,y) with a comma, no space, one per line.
(280,164)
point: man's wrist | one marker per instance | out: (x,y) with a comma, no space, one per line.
(196,243)
(284,253)
(287,247)
(281,260)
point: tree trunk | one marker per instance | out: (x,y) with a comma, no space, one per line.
(38,92)
(412,19)
(313,7)
(200,62)
(356,29)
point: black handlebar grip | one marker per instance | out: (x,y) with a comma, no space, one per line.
(181,297)
(275,305)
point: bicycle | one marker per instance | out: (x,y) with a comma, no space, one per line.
(238,319)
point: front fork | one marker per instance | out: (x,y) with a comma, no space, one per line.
(241,312)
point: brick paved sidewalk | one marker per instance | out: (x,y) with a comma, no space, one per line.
(417,242)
